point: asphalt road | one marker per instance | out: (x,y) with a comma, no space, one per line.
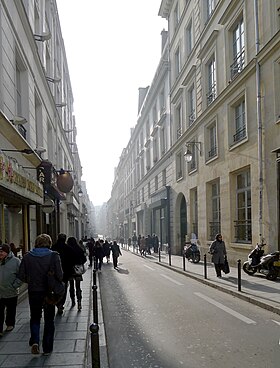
(157,318)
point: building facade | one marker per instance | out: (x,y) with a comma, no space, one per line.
(222,155)
(40,178)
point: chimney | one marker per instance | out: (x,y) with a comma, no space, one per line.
(164,37)
(142,94)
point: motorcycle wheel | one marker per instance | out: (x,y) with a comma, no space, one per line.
(247,269)
(196,258)
(272,275)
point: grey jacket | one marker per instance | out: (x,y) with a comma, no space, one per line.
(9,281)
(218,251)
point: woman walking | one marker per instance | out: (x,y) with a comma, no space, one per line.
(75,280)
(116,252)
(9,284)
(218,251)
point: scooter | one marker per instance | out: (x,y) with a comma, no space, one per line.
(268,265)
(192,253)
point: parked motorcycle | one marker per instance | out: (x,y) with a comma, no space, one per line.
(268,265)
(192,252)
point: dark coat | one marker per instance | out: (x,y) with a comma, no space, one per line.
(67,256)
(218,251)
(35,266)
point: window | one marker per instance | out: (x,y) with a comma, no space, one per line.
(194,211)
(212,136)
(238,45)
(155,120)
(148,159)
(162,140)
(155,149)
(239,122)
(176,16)
(191,105)
(192,165)
(156,183)
(149,190)
(162,101)
(177,62)
(178,117)
(179,166)
(211,81)
(215,223)
(21,93)
(189,39)
(243,222)
(163,177)
(210,5)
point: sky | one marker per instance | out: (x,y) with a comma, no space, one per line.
(112,48)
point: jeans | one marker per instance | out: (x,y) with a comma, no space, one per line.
(75,283)
(11,305)
(37,304)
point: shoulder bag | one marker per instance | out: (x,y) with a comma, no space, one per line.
(56,288)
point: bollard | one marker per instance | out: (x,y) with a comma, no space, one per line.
(184,262)
(159,254)
(169,253)
(205,267)
(95,304)
(95,353)
(239,274)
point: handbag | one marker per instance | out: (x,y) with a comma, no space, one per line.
(79,270)
(226,266)
(56,288)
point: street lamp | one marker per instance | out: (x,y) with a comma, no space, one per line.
(189,153)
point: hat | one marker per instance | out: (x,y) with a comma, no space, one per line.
(5,248)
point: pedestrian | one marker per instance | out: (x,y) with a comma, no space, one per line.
(218,251)
(98,254)
(33,270)
(134,240)
(107,250)
(68,261)
(116,252)
(75,279)
(9,287)
(155,242)
(90,246)
(143,246)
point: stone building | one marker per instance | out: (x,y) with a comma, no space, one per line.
(40,177)
(222,160)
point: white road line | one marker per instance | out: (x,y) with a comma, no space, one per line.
(150,268)
(172,280)
(278,323)
(226,309)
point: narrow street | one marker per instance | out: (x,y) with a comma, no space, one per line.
(158,318)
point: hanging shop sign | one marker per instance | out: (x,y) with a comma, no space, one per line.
(14,178)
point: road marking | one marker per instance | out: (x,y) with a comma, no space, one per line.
(226,309)
(172,280)
(150,268)
(278,323)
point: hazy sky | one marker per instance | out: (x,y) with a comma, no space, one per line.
(113,48)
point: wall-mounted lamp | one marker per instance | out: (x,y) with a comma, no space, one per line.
(45,36)
(53,80)
(62,104)
(80,193)
(188,154)
(18,120)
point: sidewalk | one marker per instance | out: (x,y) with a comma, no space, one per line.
(72,335)
(254,289)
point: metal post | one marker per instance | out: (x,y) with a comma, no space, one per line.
(184,262)
(205,267)
(95,304)
(95,353)
(239,274)
(169,253)
(159,253)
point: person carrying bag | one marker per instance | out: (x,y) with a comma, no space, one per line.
(35,269)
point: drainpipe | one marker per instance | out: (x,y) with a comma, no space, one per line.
(259,121)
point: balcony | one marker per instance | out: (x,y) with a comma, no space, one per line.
(212,153)
(179,132)
(243,231)
(214,228)
(211,95)
(237,65)
(239,135)
(191,118)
